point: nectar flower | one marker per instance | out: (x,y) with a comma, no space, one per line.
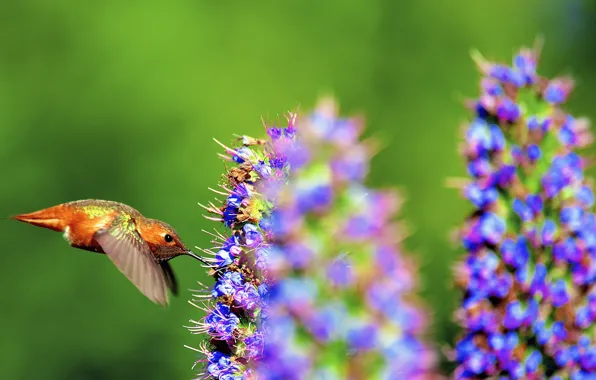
(310,280)
(528,275)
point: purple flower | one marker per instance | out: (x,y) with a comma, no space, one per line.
(527,308)
(312,267)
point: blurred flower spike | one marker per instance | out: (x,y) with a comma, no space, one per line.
(528,277)
(310,280)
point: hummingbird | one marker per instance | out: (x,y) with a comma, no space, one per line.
(138,246)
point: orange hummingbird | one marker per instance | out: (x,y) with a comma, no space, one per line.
(139,247)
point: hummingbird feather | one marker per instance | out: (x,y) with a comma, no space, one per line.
(132,256)
(170,277)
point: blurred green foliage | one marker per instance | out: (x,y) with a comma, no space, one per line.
(119,100)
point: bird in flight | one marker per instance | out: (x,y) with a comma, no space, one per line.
(139,247)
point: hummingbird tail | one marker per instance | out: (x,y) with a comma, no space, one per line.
(48,218)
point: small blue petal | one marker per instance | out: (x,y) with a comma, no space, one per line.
(586,196)
(514,315)
(492,228)
(559,330)
(533,152)
(554,93)
(559,293)
(535,203)
(548,232)
(522,210)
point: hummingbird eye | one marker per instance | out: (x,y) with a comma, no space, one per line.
(168,238)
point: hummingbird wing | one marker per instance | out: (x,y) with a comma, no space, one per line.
(132,256)
(170,277)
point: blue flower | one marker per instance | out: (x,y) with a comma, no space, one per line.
(531,238)
(311,267)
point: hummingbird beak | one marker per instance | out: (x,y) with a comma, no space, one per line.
(194,255)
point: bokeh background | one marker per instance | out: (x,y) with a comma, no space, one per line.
(120,100)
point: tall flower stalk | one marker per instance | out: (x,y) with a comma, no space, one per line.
(528,276)
(310,278)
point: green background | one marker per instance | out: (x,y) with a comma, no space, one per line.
(120,101)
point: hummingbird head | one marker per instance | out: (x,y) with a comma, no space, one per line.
(164,240)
